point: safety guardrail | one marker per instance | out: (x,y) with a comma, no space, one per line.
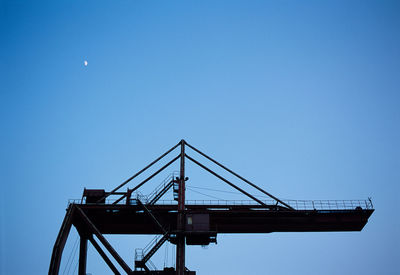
(296,204)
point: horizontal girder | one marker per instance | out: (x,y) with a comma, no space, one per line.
(131,219)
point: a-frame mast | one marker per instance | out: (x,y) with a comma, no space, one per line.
(180,246)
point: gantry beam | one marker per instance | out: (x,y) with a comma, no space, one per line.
(130,219)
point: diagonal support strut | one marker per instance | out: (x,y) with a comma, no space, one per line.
(106,244)
(104,256)
(146,180)
(240,177)
(141,171)
(225,180)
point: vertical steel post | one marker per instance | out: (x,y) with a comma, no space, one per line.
(180,245)
(83,256)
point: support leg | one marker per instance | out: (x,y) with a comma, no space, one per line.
(180,245)
(60,242)
(180,256)
(83,256)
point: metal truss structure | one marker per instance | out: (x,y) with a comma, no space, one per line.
(183,222)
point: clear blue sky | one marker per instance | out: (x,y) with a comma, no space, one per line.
(301,97)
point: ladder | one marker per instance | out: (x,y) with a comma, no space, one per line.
(142,256)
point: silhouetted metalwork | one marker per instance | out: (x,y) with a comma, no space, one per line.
(184,222)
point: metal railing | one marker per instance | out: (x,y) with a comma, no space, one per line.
(143,251)
(140,253)
(296,204)
(330,204)
(162,185)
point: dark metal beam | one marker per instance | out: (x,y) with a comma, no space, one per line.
(106,244)
(104,256)
(225,180)
(60,241)
(141,171)
(180,245)
(225,218)
(154,219)
(82,256)
(146,180)
(240,177)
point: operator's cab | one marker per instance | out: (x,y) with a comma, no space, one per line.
(94,195)
(197,230)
